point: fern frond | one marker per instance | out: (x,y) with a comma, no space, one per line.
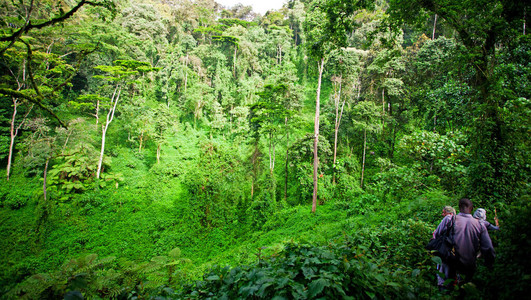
(114,292)
(175,253)
(106,260)
(155,281)
(159,259)
(152,267)
(90,260)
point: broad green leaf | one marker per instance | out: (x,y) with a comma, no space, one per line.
(316,287)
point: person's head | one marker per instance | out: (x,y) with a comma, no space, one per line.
(480,214)
(465,206)
(448,210)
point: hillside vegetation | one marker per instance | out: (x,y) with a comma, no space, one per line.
(186,150)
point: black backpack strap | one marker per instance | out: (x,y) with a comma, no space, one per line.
(450,227)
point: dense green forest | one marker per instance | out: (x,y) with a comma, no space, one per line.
(179,149)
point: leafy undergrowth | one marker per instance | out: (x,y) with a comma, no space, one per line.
(348,249)
(334,271)
(298,255)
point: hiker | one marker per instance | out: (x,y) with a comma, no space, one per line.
(481,215)
(470,237)
(448,212)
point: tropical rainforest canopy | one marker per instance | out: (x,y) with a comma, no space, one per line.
(178,149)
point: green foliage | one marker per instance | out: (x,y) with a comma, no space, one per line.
(303,272)
(365,116)
(164,270)
(123,69)
(74,169)
(236,22)
(268,114)
(301,153)
(90,276)
(512,264)
(211,185)
(87,102)
(17,193)
(4,146)
(360,205)
(212,154)
(226,39)
(442,155)
(398,183)
(87,274)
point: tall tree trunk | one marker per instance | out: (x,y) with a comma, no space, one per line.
(336,127)
(13,130)
(383,110)
(110,117)
(44,178)
(141,140)
(100,161)
(234,61)
(97,112)
(13,134)
(270,155)
(286,171)
(316,136)
(158,153)
(434,27)
(525,13)
(363,160)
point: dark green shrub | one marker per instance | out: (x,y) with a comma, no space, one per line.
(511,276)
(300,271)
(16,196)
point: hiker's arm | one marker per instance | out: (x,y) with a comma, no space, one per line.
(486,248)
(492,227)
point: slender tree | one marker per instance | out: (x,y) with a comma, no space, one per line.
(119,76)
(365,115)
(326,26)
(346,65)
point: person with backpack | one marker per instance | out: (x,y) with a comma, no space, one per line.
(448,213)
(469,237)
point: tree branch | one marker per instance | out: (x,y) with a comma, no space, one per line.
(50,22)
(35,100)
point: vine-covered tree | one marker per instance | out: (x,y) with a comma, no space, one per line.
(487,31)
